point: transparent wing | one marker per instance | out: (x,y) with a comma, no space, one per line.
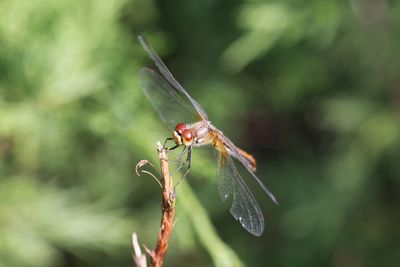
(238,154)
(169,78)
(244,207)
(173,108)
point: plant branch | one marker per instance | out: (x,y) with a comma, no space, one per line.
(168,213)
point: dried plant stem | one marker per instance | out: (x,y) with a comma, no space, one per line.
(168,212)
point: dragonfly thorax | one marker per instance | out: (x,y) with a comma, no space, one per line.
(182,135)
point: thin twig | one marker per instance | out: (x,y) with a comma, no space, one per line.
(168,211)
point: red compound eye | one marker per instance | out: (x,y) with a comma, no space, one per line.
(180,127)
(187,135)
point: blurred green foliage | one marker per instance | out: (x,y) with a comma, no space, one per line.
(311,88)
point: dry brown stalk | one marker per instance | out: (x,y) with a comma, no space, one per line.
(168,212)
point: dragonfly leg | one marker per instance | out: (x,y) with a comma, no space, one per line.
(169,148)
(166,140)
(189,158)
(177,159)
(182,153)
(189,164)
(181,164)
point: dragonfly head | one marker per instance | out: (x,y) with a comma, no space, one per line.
(183,135)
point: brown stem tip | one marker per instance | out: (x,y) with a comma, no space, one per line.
(168,199)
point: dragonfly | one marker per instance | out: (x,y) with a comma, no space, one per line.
(191,128)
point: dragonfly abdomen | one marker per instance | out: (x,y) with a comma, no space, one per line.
(249,159)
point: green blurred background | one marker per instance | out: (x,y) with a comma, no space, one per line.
(311,88)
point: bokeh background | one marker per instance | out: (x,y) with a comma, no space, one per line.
(311,88)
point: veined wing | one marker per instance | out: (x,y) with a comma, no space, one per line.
(173,108)
(244,207)
(235,152)
(169,78)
